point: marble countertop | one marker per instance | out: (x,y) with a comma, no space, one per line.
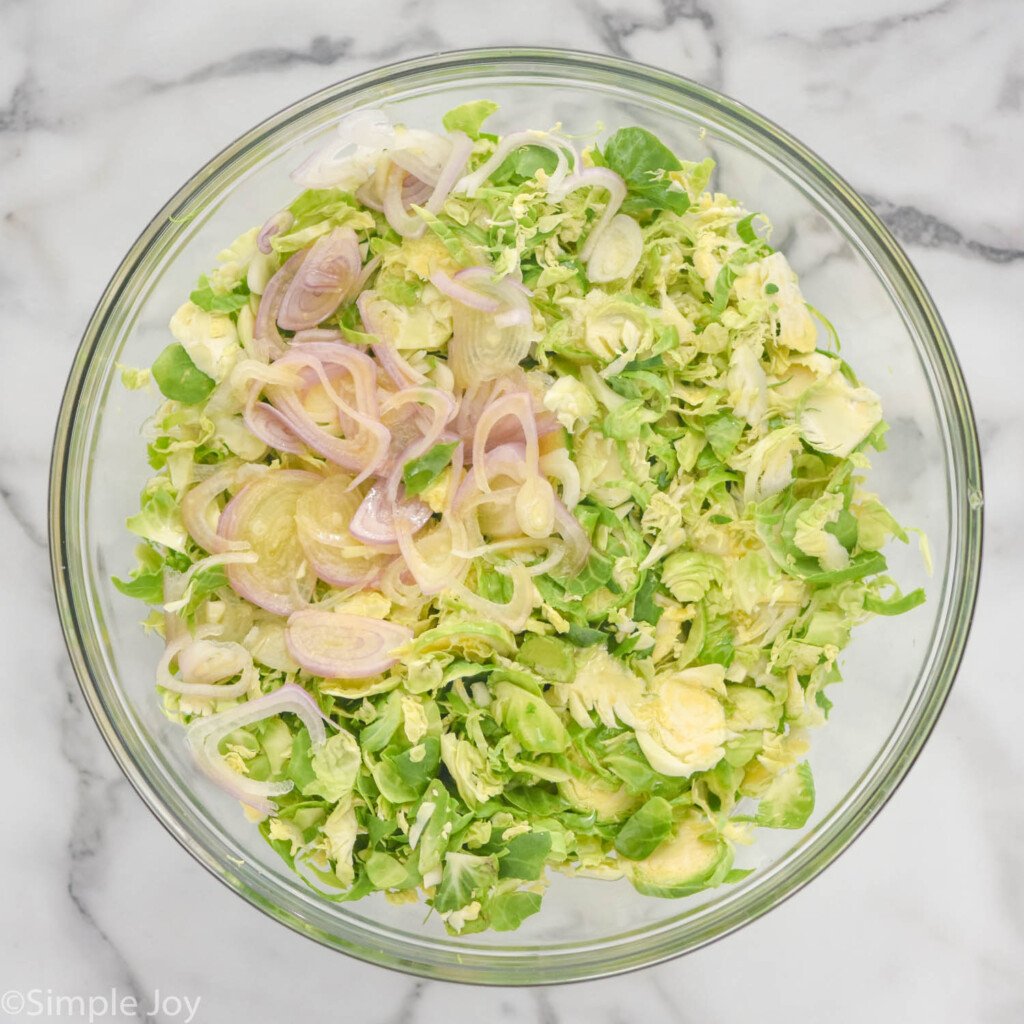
(106,107)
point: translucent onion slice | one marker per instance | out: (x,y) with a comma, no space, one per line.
(374,521)
(519,406)
(535,507)
(266,423)
(595,177)
(204,736)
(374,323)
(334,355)
(363,453)
(562,148)
(408,225)
(204,664)
(485,343)
(442,407)
(576,540)
(617,251)
(263,515)
(348,158)
(275,224)
(369,268)
(421,153)
(559,465)
(267,342)
(199,513)
(399,587)
(334,645)
(174,588)
(431,558)
(515,612)
(462,147)
(554,547)
(322,515)
(323,278)
(463,293)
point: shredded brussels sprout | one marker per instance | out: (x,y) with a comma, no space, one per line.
(575,610)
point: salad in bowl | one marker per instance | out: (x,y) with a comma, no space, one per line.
(509,514)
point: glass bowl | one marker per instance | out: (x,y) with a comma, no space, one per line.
(898,672)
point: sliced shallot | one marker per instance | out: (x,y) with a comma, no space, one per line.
(562,149)
(275,225)
(322,517)
(334,645)
(263,515)
(267,342)
(596,177)
(205,734)
(321,281)
(374,520)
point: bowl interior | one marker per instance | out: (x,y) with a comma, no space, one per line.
(897,670)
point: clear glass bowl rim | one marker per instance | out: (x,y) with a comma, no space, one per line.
(519,965)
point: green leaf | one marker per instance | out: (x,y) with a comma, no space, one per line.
(584,636)
(469,117)
(736,875)
(335,766)
(147,586)
(646,830)
(636,154)
(596,573)
(655,196)
(300,767)
(385,871)
(723,431)
(377,735)
(159,520)
(523,164)
(891,606)
(644,608)
(627,762)
(494,586)
(402,777)
(718,646)
(466,877)
(508,910)
(867,563)
(525,855)
(179,378)
(745,229)
(789,799)
(549,657)
(642,160)
(626,422)
(535,800)
(418,474)
(723,289)
(206,298)
(529,718)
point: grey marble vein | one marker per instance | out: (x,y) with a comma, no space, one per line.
(618,25)
(323,51)
(407,1010)
(25,521)
(546,1012)
(1011,94)
(96,801)
(871,30)
(917,227)
(20,113)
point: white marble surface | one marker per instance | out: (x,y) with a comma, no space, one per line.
(106,107)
